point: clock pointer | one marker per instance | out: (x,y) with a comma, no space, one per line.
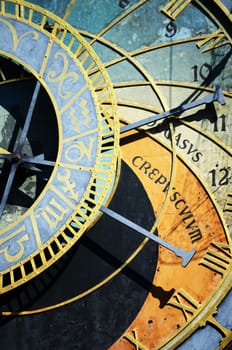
(3,151)
(216,96)
(185,255)
(39,159)
(16,157)
(28,163)
(28,118)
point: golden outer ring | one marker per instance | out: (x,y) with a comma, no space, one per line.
(107,120)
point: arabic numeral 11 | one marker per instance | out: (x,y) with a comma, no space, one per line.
(220,177)
(220,123)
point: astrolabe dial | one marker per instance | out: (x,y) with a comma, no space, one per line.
(169,63)
(56,133)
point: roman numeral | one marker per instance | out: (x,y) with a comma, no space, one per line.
(175,7)
(183,301)
(217,259)
(133,339)
(213,40)
(53,213)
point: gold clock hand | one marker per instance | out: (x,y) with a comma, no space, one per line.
(185,255)
(3,151)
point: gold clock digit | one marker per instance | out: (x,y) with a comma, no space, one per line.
(163,67)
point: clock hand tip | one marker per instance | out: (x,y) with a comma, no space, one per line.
(218,95)
(4,151)
(187,257)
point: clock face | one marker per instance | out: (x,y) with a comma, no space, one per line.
(76,174)
(151,263)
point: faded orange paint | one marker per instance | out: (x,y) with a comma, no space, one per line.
(196,280)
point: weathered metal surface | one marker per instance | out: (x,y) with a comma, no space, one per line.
(176,183)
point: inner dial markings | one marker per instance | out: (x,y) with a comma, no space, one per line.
(50,216)
(199,78)
(158,100)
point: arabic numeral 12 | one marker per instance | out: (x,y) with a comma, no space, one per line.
(220,177)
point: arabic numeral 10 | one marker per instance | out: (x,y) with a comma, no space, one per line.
(220,177)
(201,72)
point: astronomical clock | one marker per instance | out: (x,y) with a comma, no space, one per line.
(115,175)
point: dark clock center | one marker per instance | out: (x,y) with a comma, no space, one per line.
(16,158)
(28,148)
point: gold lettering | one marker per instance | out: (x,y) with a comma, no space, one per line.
(16,40)
(217,259)
(133,339)
(213,40)
(69,185)
(75,121)
(79,150)
(76,118)
(175,7)
(183,301)
(62,77)
(52,213)
(85,112)
(19,242)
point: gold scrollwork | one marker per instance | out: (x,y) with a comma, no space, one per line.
(85,112)
(75,117)
(61,78)
(77,151)
(16,39)
(53,213)
(75,121)
(69,186)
